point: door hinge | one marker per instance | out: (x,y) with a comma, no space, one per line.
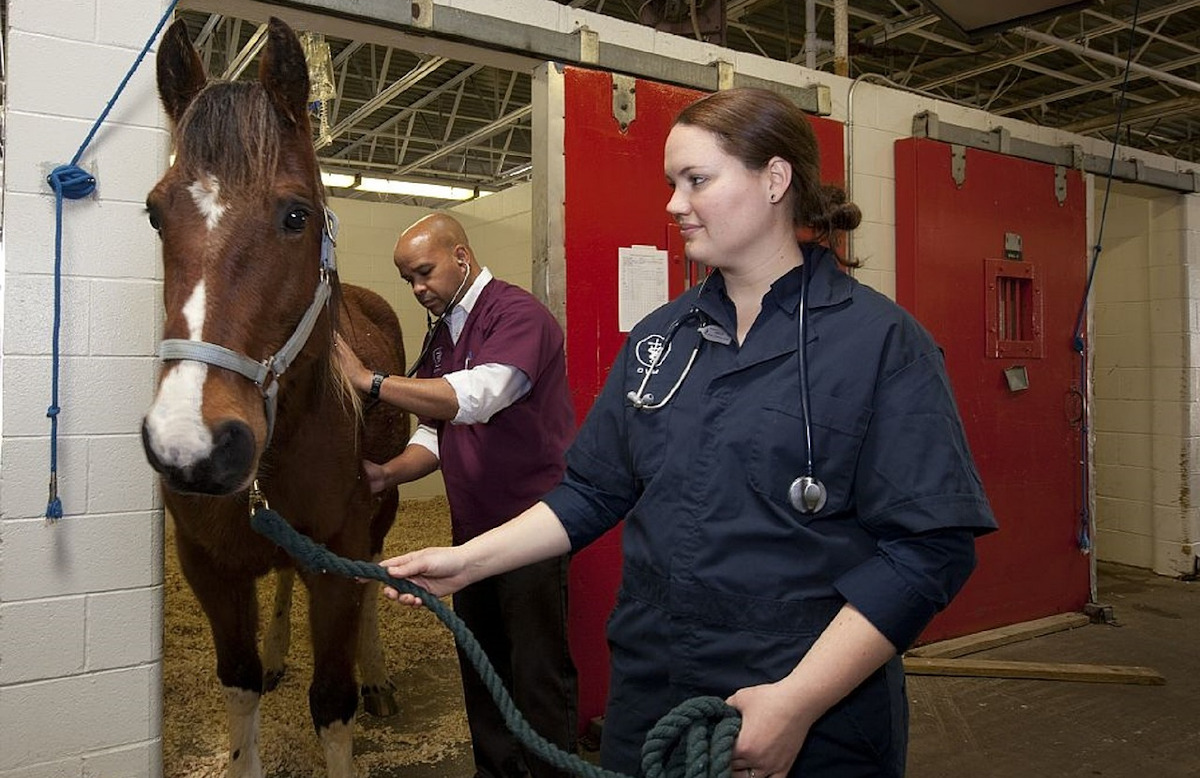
(1060,184)
(958,164)
(624,105)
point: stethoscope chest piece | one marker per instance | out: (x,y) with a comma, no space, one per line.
(807,494)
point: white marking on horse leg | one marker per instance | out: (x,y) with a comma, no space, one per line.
(279,627)
(175,423)
(337,741)
(241,705)
(206,193)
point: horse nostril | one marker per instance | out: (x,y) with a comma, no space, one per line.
(232,456)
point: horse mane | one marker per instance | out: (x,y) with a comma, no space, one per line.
(232,132)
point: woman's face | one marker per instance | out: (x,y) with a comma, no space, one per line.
(723,209)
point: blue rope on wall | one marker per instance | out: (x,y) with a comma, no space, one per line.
(73,183)
(1078,342)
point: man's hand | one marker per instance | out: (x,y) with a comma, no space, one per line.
(358,375)
(377,476)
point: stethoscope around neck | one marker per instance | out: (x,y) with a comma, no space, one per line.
(806,493)
(431,324)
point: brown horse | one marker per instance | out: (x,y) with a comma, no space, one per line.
(249,393)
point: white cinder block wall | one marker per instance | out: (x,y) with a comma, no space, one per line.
(1145,328)
(80,600)
(498,227)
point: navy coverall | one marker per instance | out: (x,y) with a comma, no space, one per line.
(724,584)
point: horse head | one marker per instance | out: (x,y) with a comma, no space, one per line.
(245,278)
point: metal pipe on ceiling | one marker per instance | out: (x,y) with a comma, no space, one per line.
(1084,51)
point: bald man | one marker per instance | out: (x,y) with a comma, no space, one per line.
(494,413)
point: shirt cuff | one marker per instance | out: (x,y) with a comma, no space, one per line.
(485,390)
(886,599)
(425,437)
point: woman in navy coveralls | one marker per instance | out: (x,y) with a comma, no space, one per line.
(797,620)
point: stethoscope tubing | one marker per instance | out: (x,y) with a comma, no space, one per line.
(431,326)
(806,493)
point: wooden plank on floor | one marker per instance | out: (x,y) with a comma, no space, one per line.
(1001,636)
(1038,671)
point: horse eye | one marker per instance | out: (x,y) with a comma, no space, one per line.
(295,220)
(155,221)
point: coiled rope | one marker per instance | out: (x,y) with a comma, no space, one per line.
(695,740)
(74,183)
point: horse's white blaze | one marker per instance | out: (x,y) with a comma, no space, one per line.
(242,707)
(206,193)
(337,741)
(175,425)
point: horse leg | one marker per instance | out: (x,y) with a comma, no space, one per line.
(334,611)
(279,629)
(229,601)
(378,691)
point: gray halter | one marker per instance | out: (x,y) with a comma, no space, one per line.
(267,372)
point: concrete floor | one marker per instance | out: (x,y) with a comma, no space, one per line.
(999,728)
(993,728)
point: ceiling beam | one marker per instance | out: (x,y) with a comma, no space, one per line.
(1144,113)
(410,110)
(400,85)
(1084,51)
(247,54)
(467,140)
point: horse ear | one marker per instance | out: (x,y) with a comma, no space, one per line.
(284,72)
(180,71)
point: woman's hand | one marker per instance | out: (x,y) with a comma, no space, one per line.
(773,730)
(439,571)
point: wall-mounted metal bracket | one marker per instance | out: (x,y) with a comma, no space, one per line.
(1000,140)
(589,45)
(1060,184)
(624,105)
(422,14)
(725,74)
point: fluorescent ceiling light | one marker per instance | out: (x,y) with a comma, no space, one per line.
(338,180)
(415,189)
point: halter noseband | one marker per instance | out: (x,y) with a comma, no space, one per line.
(267,372)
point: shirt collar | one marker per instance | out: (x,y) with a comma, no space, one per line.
(829,285)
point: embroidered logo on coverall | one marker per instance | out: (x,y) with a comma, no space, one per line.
(649,352)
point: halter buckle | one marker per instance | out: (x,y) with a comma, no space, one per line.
(269,377)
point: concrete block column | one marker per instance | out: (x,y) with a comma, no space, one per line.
(80,599)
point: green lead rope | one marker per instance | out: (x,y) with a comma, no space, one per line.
(695,740)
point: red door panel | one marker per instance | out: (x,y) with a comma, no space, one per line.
(991,312)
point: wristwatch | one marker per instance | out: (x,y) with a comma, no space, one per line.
(376,382)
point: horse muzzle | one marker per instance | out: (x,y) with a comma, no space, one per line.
(223,467)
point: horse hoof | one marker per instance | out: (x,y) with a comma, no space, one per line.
(271,678)
(380,701)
